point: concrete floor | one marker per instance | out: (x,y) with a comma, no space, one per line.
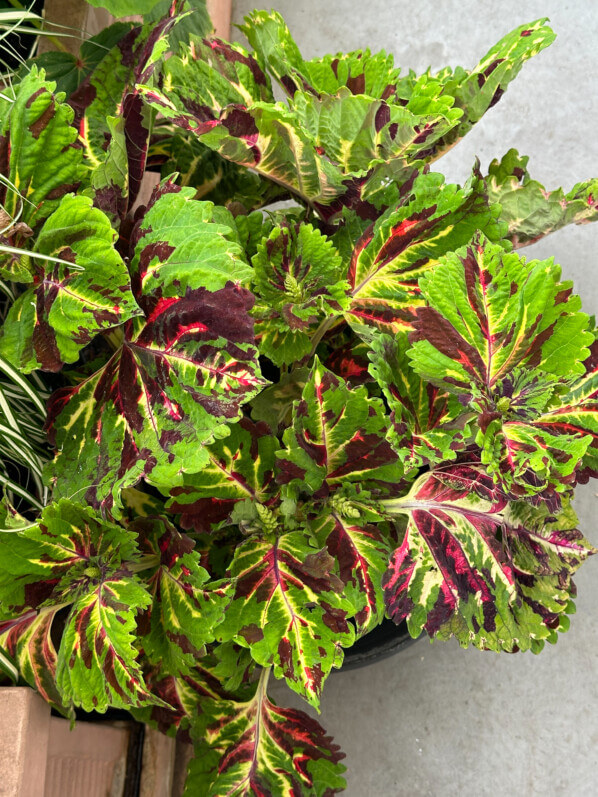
(438,720)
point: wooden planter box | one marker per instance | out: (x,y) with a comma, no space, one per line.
(40,756)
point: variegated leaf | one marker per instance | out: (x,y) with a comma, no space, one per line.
(47,560)
(299,281)
(407,242)
(479,89)
(530,211)
(288,608)
(362,554)
(490,312)
(359,71)
(576,412)
(240,467)
(110,92)
(97,662)
(173,385)
(28,640)
(179,245)
(524,453)
(258,748)
(37,153)
(338,435)
(87,291)
(468,568)
(427,424)
(184,610)
(274,405)
(214,178)
(264,137)
(225,673)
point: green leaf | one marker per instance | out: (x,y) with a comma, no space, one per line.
(289,610)
(427,424)
(338,435)
(532,212)
(68,70)
(184,610)
(408,241)
(124,8)
(473,567)
(259,748)
(97,661)
(42,165)
(490,312)
(362,554)
(50,323)
(477,90)
(240,467)
(28,640)
(299,281)
(180,245)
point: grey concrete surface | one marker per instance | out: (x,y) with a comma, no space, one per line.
(438,720)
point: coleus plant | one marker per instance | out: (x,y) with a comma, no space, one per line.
(272,425)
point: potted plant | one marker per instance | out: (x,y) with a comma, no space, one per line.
(274,424)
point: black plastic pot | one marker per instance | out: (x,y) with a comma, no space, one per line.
(384,641)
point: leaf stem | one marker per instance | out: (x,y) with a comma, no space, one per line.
(144,563)
(326,325)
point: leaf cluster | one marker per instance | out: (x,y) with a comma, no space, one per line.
(272,426)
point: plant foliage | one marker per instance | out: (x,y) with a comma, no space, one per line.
(270,428)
